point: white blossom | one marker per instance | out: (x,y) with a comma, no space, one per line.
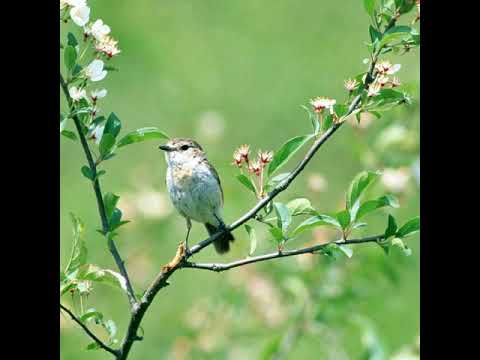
(386,67)
(80,15)
(320,103)
(374,89)
(98,94)
(95,71)
(108,46)
(96,134)
(99,30)
(76,94)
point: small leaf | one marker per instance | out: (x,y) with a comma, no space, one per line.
(69,57)
(313,119)
(315,221)
(140,135)
(87,172)
(93,346)
(371,205)
(106,145)
(100,173)
(277,233)
(286,152)
(343,218)
(391,227)
(78,256)
(358,186)
(301,206)
(92,314)
(71,40)
(369,6)
(409,228)
(110,201)
(327,122)
(247,182)
(283,216)
(397,33)
(113,125)
(398,242)
(347,250)
(69,134)
(374,34)
(253,239)
(111,328)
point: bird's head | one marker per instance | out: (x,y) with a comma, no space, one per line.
(180,150)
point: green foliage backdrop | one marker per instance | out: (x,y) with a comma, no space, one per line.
(227,73)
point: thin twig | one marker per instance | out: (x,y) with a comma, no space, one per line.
(89,333)
(308,250)
(98,194)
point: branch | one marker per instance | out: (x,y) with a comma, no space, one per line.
(98,194)
(279,254)
(161,280)
(89,333)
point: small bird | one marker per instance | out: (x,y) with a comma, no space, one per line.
(195,189)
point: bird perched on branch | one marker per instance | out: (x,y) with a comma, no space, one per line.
(195,189)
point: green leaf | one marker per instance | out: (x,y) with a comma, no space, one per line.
(336,250)
(283,216)
(340,109)
(111,328)
(76,70)
(113,125)
(87,172)
(406,6)
(78,256)
(247,182)
(371,205)
(106,144)
(100,173)
(370,6)
(93,346)
(276,180)
(277,233)
(374,34)
(300,206)
(92,314)
(110,201)
(397,33)
(114,220)
(286,152)
(343,218)
(142,134)
(69,57)
(398,242)
(347,250)
(253,239)
(391,227)
(313,119)
(69,134)
(106,276)
(71,40)
(327,122)
(315,221)
(409,228)
(358,186)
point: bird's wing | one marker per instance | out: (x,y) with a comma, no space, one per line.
(215,174)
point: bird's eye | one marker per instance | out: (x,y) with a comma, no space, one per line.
(184,147)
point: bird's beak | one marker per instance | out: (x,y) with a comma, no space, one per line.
(165,148)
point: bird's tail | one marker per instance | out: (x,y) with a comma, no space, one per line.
(222,244)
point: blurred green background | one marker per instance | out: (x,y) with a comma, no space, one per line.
(228,73)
